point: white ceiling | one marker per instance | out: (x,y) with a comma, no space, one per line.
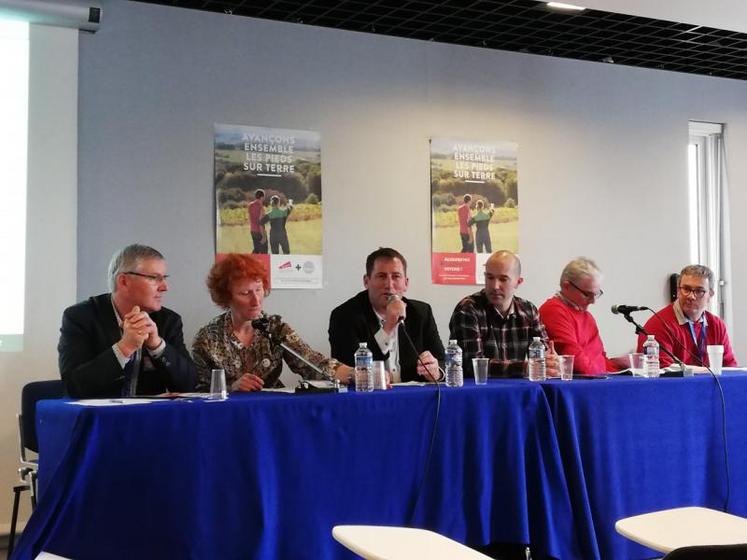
(720,14)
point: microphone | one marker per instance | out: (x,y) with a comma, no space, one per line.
(391,299)
(261,324)
(625,309)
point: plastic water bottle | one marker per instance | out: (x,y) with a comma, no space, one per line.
(454,361)
(536,367)
(363,368)
(454,370)
(651,357)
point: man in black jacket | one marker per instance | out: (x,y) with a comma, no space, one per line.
(125,343)
(378,316)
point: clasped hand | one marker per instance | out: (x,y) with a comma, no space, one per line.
(138,329)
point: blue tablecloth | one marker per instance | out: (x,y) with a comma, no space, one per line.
(634,445)
(268,475)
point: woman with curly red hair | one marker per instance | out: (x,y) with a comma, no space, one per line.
(239,284)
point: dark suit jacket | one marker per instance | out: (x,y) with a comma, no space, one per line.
(355,321)
(89,367)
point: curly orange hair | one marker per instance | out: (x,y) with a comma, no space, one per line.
(233,268)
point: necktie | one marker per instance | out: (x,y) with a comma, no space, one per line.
(131,371)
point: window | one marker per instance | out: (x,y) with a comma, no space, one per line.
(14,101)
(709,205)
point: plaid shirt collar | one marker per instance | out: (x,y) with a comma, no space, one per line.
(511,310)
(516,311)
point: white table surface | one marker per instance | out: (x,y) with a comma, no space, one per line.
(401,543)
(688,526)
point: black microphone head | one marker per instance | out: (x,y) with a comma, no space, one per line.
(261,324)
(625,309)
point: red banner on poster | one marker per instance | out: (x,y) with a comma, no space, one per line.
(453,268)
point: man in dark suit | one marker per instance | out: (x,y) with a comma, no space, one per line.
(125,343)
(374,316)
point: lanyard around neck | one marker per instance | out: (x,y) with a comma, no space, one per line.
(699,341)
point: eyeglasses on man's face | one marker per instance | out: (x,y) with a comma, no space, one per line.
(587,294)
(154,278)
(688,291)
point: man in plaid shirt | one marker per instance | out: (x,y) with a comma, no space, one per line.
(495,324)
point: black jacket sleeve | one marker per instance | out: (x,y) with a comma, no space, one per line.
(178,371)
(431,339)
(351,323)
(88,365)
(343,340)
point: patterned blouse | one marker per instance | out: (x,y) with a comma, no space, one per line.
(215,346)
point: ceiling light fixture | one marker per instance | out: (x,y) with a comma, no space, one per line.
(565,7)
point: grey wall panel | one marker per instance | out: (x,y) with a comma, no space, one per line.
(602,159)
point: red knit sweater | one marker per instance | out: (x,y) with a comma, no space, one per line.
(575,332)
(682,345)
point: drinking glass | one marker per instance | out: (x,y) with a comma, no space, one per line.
(379,375)
(565,364)
(218,385)
(715,357)
(637,362)
(480,369)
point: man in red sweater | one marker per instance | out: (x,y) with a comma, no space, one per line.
(685,327)
(256,227)
(570,325)
(465,230)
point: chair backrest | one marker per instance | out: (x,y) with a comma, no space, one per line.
(709,552)
(30,395)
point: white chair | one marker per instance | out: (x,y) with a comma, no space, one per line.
(673,529)
(401,543)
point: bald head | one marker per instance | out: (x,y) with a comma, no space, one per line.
(505,257)
(502,277)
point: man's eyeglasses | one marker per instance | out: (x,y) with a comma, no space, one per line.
(697,292)
(155,278)
(588,295)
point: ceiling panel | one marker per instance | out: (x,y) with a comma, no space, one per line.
(526,26)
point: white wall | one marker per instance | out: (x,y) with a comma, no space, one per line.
(51,233)
(602,153)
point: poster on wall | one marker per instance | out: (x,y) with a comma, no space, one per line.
(268,200)
(474,206)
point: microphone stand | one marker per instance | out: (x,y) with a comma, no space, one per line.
(261,326)
(640,330)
